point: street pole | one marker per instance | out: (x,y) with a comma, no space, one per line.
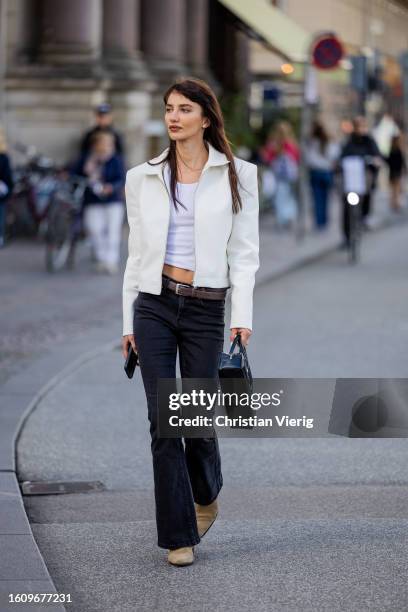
(309,95)
(324,53)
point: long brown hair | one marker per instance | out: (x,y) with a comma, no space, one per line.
(320,133)
(200,92)
(281,135)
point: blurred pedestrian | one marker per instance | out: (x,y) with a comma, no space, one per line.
(321,156)
(384,132)
(103,122)
(103,199)
(346,129)
(281,154)
(362,145)
(397,168)
(6,184)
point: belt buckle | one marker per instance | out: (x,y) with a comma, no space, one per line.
(180,285)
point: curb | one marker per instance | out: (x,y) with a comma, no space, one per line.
(22,567)
(69,369)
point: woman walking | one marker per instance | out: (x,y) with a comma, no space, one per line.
(193,217)
(321,156)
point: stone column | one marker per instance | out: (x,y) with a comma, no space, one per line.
(19,33)
(241,72)
(197,34)
(70,31)
(164,33)
(121,27)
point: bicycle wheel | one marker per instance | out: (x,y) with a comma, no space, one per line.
(59,237)
(355,234)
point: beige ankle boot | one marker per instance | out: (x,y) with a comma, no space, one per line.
(181,556)
(205,515)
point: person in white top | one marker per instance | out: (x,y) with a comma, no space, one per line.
(321,157)
(193,216)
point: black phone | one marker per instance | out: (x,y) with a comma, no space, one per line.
(132,360)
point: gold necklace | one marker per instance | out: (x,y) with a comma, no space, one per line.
(189,167)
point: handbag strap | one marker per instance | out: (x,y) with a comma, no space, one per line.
(242,350)
(237,341)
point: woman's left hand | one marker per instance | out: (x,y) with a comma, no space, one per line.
(245,333)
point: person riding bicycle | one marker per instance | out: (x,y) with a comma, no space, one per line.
(361,145)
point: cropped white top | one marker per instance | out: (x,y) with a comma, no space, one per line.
(180,249)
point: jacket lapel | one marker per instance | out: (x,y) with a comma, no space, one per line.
(215,158)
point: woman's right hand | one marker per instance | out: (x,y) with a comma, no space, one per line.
(126,341)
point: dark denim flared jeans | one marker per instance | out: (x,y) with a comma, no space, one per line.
(189,472)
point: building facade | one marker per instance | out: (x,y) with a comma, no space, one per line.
(61,58)
(374,29)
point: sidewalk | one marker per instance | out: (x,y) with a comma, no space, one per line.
(70,378)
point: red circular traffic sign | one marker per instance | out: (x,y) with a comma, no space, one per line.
(327,52)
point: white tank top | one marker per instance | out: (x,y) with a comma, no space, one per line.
(180,249)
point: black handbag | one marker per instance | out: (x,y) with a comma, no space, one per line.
(236,365)
(235,376)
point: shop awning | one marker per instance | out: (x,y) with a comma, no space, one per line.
(271,25)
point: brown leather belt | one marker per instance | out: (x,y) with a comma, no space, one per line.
(205,293)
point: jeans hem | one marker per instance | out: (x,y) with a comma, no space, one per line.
(179,545)
(209,502)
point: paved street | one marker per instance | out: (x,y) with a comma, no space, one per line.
(40,310)
(305,525)
(332,319)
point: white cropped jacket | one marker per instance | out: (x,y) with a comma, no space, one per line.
(226,244)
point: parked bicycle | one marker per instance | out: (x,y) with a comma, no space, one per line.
(64,222)
(35,181)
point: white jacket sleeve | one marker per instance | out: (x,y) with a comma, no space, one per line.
(130,280)
(243,249)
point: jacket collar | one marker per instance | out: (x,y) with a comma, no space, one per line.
(215,158)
